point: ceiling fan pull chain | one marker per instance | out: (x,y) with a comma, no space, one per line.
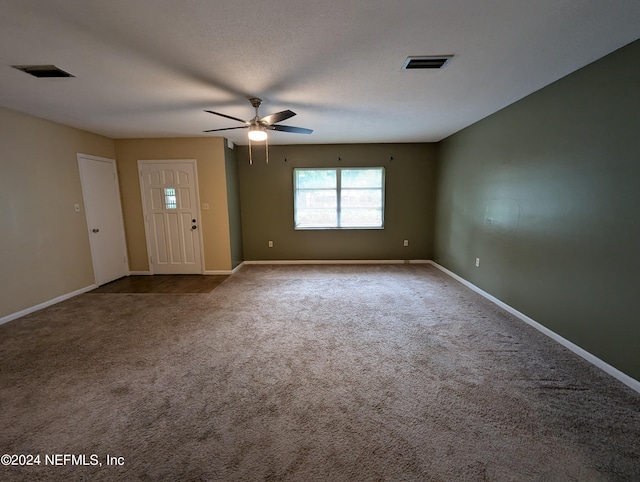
(250,159)
(266,149)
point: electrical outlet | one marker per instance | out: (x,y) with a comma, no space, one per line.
(271,244)
(477,262)
(406,242)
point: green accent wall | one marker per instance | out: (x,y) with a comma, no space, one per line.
(546,193)
(233,205)
(266,194)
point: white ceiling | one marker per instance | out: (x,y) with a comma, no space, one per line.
(148,68)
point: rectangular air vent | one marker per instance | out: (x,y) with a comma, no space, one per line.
(426,62)
(43,71)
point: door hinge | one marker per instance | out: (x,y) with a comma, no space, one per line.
(151,259)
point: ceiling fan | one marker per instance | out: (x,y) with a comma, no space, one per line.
(258,126)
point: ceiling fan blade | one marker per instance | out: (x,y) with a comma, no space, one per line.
(226,129)
(227,116)
(277,117)
(295,130)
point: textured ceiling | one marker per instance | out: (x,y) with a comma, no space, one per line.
(148,68)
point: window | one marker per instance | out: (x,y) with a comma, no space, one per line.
(170,201)
(339,198)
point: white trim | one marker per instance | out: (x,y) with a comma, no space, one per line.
(338,261)
(26,311)
(209,272)
(224,271)
(614,372)
(237,267)
(94,158)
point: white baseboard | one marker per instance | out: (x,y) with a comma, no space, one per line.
(19,314)
(213,272)
(209,272)
(614,372)
(339,261)
(237,267)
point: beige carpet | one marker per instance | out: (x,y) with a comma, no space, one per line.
(332,373)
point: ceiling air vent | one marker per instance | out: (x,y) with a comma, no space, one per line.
(47,71)
(424,63)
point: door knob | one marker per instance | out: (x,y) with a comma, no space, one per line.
(194,227)
(95,230)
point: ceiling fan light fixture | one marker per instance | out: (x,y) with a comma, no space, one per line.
(257,133)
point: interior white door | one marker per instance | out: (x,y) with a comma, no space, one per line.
(170,202)
(103,210)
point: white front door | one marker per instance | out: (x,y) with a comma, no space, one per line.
(171,214)
(103,210)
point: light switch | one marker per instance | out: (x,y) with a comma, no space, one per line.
(76,207)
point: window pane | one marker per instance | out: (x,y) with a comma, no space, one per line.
(310,198)
(315,178)
(316,218)
(361,218)
(353,196)
(361,198)
(361,178)
(170,201)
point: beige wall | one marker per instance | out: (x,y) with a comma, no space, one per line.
(44,245)
(210,157)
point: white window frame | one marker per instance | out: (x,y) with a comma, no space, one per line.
(338,190)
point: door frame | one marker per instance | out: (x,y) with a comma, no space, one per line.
(145,218)
(88,215)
